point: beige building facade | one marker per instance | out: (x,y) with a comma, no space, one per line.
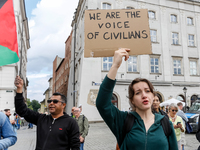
(174,64)
(9,72)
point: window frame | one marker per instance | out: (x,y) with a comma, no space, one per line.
(129,7)
(159,64)
(191,40)
(192,21)
(154,15)
(106,5)
(172,20)
(197,70)
(181,63)
(174,38)
(102,68)
(155,35)
(127,66)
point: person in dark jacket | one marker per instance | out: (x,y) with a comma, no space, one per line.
(83,126)
(198,132)
(57,131)
(156,105)
(147,126)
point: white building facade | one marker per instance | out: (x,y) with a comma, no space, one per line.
(174,64)
(9,72)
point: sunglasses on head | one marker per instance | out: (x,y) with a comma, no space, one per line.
(55,101)
(174,110)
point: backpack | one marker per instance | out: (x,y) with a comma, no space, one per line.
(129,121)
(84,120)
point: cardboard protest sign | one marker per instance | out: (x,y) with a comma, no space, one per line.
(108,30)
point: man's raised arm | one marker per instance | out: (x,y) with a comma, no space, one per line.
(20,107)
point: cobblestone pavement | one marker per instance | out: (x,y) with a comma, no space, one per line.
(99,138)
(26,139)
(192,143)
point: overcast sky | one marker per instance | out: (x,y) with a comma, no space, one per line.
(49,27)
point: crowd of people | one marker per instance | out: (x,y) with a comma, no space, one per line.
(150,126)
(56,130)
(145,126)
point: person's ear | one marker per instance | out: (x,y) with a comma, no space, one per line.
(64,104)
(132,101)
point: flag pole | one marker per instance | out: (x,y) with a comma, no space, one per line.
(20,64)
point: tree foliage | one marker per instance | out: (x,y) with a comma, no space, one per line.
(29,104)
(33,105)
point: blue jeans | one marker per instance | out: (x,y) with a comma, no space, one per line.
(81,146)
(30,125)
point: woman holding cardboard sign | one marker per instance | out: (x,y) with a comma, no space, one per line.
(145,129)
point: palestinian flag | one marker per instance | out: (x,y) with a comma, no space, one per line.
(8,34)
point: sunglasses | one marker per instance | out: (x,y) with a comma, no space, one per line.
(76,110)
(174,110)
(55,101)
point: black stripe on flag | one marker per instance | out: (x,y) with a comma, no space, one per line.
(2,2)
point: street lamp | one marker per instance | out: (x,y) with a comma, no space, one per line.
(185,91)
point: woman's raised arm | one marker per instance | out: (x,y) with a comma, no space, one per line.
(122,52)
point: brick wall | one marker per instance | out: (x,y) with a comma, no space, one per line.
(61,70)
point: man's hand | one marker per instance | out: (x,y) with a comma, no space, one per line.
(12,121)
(19,84)
(81,139)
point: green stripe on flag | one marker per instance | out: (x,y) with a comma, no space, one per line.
(7,56)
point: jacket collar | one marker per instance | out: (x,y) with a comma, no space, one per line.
(63,116)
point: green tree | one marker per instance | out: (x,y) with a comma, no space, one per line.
(35,105)
(29,104)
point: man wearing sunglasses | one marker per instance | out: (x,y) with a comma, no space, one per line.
(55,131)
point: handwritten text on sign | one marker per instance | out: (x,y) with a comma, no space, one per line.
(107,30)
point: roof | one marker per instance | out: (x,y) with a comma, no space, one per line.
(46,91)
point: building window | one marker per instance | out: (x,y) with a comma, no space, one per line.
(107,63)
(132,64)
(193,67)
(129,7)
(189,21)
(175,40)
(153,34)
(152,15)
(177,66)
(114,100)
(106,6)
(191,40)
(174,18)
(154,65)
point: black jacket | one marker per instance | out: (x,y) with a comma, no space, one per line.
(198,132)
(164,113)
(59,134)
(161,112)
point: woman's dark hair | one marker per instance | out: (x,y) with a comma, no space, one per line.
(131,91)
(159,97)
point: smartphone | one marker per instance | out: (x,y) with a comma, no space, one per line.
(178,123)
